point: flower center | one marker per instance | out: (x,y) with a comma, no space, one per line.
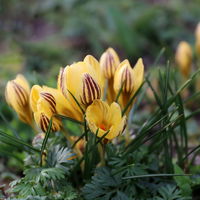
(103,127)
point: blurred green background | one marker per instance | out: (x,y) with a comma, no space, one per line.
(41,36)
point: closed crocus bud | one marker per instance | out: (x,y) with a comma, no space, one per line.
(129,79)
(17,96)
(43,105)
(184,58)
(81,81)
(102,119)
(109,62)
(197,37)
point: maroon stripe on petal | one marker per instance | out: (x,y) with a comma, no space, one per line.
(92,86)
(50,99)
(89,92)
(21,98)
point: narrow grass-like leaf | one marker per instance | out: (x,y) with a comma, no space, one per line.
(119,92)
(77,102)
(69,119)
(8,124)
(82,136)
(132,98)
(162,51)
(154,92)
(15,141)
(90,150)
(154,175)
(193,97)
(105,90)
(44,143)
(193,150)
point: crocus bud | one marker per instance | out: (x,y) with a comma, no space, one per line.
(184,58)
(129,79)
(17,96)
(109,62)
(125,77)
(91,90)
(81,81)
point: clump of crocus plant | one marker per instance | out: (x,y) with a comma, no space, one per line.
(80,96)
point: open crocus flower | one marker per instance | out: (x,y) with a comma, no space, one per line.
(183,58)
(17,96)
(128,78)
(197,36)
(102,119)
(82,80)
(109,63)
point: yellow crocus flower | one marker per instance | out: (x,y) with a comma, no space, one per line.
(83,81)
(197,36)
(183,58)
(109,63)
(17,96)
(130,78)
(43,105)
(105,119)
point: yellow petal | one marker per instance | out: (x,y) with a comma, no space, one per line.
(64,107)
(117,129)
(115,113)
(21,80)
(42,120)
(17,96)
(97,112)
(138,74)
(183,58)
(34,97)
(62,82)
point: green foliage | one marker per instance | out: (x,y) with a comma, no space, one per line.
(169,192)
(106,186)
(183,182)
(48,181)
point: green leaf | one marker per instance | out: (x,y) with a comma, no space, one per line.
(183,182)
